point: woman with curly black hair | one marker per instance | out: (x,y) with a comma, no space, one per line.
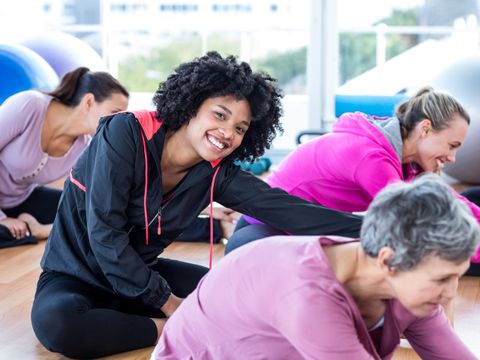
(144,179)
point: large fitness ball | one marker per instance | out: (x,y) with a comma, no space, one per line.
(65,52)
(462,80)
(22,69)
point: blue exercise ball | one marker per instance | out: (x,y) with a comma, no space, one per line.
(22,69)
(65,52)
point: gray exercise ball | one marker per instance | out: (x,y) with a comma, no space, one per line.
(462,80)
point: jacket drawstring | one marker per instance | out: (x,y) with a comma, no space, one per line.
(145,191)
(150,124)
(145,211)
(211,217)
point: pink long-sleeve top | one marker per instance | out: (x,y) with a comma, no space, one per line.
(23,163)
(346,168)
(274,299)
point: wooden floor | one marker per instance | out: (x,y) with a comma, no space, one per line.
(19,271)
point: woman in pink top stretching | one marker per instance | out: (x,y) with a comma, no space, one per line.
(346,168)
(293,297)
(41,137)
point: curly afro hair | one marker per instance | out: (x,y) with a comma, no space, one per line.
(178,99)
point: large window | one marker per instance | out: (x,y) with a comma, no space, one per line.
(417,38)
(143,41)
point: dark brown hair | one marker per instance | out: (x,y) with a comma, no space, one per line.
(75,84)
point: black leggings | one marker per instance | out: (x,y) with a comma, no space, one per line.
(41,204)
(473,194)
(246,232)
(78,320)
(473,270)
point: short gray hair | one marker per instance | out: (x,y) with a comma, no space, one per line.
(419,219)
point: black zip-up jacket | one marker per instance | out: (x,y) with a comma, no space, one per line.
(99,232)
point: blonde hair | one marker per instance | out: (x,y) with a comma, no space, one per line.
(439,108)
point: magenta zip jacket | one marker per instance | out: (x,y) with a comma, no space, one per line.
(346,168)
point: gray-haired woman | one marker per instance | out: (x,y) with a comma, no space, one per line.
(294,297)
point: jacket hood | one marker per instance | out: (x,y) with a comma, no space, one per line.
(150,124)
(148,121)
(360,124)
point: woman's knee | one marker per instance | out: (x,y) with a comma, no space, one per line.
(54,323)
(250,233)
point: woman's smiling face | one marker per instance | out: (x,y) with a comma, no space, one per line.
(219,127)
(436,148)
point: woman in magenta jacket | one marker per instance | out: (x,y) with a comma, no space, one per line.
(346,168)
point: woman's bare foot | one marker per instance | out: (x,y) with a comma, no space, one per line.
(159,323)
(40,231)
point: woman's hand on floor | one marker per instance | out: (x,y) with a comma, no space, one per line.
(17,228)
